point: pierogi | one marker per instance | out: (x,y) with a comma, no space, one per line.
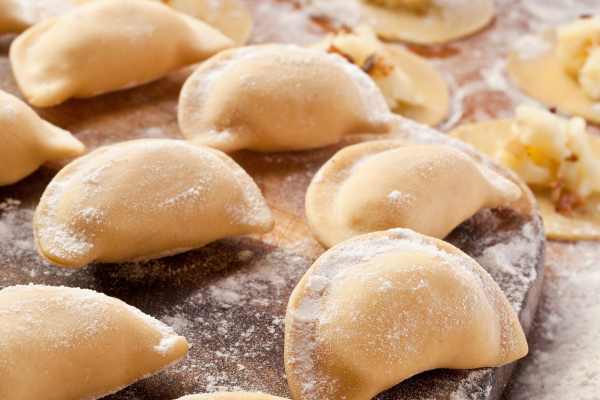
(145,199)
(279,98)
(17,15)
(28,141)
(59,343)
(379,185)
(382,307)
(105,46)
(427,21)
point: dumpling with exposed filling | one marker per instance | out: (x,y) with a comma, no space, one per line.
(382,307)
(279,98)
(145,199)
(28,141)
(379,185)
(108,45)
(60,343)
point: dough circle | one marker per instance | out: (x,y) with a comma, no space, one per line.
(450,20)
(584,221)
(564,93)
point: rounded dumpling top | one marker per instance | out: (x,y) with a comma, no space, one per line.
(279,98)
(28,141)
(379,185)
(379,308)
(108,45)
(60,343)
(145,199)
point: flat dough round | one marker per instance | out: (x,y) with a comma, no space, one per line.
(428,82)
(533,75)
(584,221)
(382,307)
(442,22)
(145,199)
(59,343)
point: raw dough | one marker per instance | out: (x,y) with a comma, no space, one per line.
(279,98)
(230,396)
(534,62)
(431,22)
(106,46)
(17,15)
(59,343)
(382,307)
(27,141)
(145,199)
(379,185)
(412,87)
(584,221)
(231,17)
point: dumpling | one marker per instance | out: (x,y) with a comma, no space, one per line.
(145,199)
(380,308)
(279,98)
(105,46)
(427,21)
(231,17)
(379,185)
(230,396)
(28,141)
(17,15)
(60,343)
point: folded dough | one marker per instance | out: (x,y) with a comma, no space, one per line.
(427,21)
(59,343)
(230,396)
(145,199)
(105,46)
(379,185)
(279,98)
(379,308)
(17,15)
(28,141)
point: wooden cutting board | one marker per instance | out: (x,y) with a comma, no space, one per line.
(229,298)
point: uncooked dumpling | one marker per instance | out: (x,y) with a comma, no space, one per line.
(105,46)
(17,15)
(380,308)
(427,21)
(59,343)
(231,17)
(28,141)
(279,98)
(145,199)
(379,185)
(231,396)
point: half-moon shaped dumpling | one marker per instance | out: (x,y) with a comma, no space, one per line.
(231,396)
(427,21)
(60,343)
(379,185)
(380,308)
(27,141)
(17,15)
(145,199)
(279,98)
(105,46)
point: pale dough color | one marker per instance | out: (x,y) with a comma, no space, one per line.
(379,185)
(279,98)
(440,21)
(59,343)
(17,15)
(106,46)
(584,221)
(382,307)
(27,141)
(564,93)
(145,199)
(231,17)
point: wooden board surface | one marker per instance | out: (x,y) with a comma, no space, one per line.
(241,348)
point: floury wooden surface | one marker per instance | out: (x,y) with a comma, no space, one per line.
(229,298)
